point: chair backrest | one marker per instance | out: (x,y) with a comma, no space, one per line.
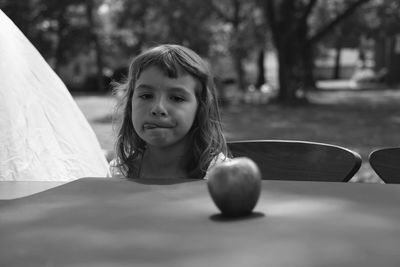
(299,160)
(386,163)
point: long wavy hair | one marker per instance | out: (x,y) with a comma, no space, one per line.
(205,134)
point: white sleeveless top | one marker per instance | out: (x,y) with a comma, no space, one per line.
(114,171)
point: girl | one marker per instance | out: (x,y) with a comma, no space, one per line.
(171,124)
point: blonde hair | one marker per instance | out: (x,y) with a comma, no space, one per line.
(206,132)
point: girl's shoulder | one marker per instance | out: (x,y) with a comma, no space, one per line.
(113,167)
(221,157)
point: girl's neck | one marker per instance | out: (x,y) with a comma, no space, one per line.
(164,162)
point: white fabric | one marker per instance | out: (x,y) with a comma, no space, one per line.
(43,133)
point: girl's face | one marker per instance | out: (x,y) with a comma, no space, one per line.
(163,108)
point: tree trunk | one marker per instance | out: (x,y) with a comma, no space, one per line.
(380,54)
(308,65)
(287,88)
(295,71)
(59,49)
(287,76)
(98,51)
(260,69)
(394,63)
(238,64)
(238,53)
(338,50)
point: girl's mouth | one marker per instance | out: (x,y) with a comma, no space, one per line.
(149,126)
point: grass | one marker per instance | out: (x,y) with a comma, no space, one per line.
(361,120)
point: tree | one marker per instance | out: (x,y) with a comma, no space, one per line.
(60,29)
(346,34)
(145,23)
(25,14)
(289,24)
(90,9)
(244,34)
(189,23)
(64,24)
(383,22)
(132,25)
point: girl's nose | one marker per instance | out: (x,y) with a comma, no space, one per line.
(158,108)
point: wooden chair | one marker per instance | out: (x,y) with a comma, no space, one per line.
(386,163)
(299,160)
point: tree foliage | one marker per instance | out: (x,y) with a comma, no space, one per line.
(119,29)
(140,24)
(58,28)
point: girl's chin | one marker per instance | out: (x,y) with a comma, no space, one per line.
(164,139)
(159,142)
(164,143)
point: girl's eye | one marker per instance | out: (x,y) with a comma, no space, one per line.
(177,98)
(145,96)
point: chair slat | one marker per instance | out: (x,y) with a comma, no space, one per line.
(386,163)
(299,160)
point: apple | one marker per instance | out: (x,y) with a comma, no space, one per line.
(235,186)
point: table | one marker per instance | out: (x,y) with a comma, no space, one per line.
(17,189)
(118,222)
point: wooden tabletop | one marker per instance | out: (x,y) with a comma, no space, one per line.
(117,222)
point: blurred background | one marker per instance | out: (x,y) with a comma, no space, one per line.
(313,70)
